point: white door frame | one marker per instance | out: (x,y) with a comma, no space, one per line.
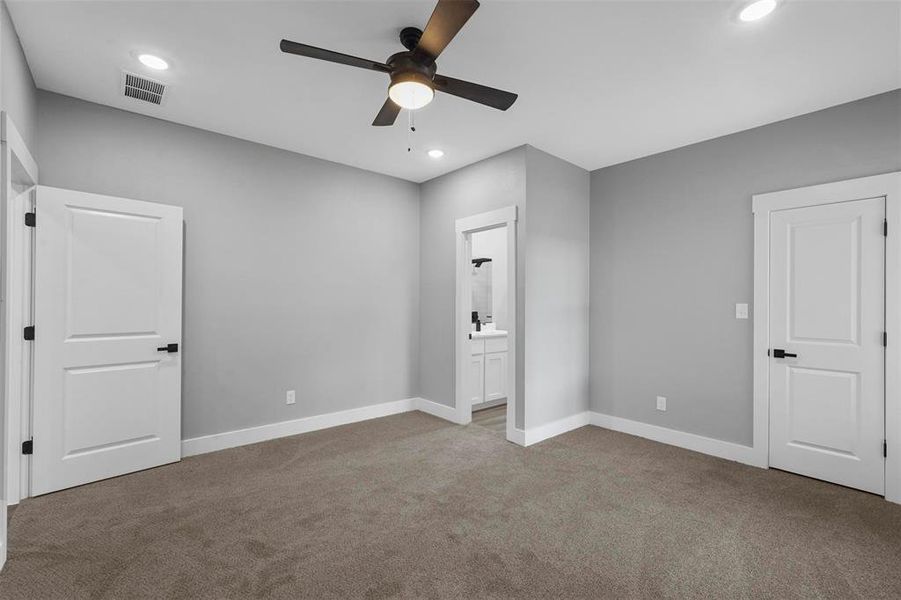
(465,228)
(889,186)
(19,177)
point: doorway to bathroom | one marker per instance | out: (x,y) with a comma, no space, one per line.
(488,329)
(486,322)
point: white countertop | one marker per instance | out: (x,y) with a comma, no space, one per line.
(479,335)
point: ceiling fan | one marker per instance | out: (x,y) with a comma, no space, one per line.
(414,79)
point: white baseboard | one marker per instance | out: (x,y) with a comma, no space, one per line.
(689,441)
(442,411)
(555,428)
(518,437)
(252,435)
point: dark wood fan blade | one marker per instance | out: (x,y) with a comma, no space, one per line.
(482,94)
(446,21)
(336,57)
(387,115)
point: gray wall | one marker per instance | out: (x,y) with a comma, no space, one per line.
(671,254)
(556,284)
(489,184)
(552,247)
(17,91)
(299,273)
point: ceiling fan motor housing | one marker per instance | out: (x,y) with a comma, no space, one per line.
(405,68)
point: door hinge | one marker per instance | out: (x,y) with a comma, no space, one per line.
(884,449)
(29,333)
(885,338)
(885,228)
(31,219)
(28,447)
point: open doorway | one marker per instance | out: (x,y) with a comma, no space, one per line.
(490,351)
(486,322)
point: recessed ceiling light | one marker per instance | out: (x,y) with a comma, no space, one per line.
(154,62)
(436,153)
(757,10)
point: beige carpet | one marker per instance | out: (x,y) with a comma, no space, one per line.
(411,506)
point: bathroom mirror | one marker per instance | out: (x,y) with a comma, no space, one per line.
(481,289)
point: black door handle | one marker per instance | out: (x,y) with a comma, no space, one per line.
(168,348)
(780,353)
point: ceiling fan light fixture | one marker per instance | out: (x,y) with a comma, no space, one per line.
(411,90)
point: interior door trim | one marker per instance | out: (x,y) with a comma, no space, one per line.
(465,227)
(887,185)
(19,176)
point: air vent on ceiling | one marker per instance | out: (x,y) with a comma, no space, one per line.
(141,88)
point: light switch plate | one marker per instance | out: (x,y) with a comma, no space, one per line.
(741,311)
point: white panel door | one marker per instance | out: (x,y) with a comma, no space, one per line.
(495,376)
(827,306)
(477,378)
(108,296)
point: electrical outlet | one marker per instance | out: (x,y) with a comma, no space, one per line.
(661,403)
(741,311)
(289,399)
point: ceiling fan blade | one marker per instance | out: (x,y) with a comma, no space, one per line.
(482,94)
(336,57)
(387,115)
(446,21)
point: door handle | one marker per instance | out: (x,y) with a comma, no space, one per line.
(780,353)
(168,348)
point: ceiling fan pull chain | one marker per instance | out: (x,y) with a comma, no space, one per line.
(410,131)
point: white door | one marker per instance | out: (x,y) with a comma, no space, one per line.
(108,296)
(827,316)
(495,376)
(477,378)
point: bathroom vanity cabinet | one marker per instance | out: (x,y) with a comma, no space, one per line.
(489,367)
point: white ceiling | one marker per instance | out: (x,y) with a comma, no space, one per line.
(598,82)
